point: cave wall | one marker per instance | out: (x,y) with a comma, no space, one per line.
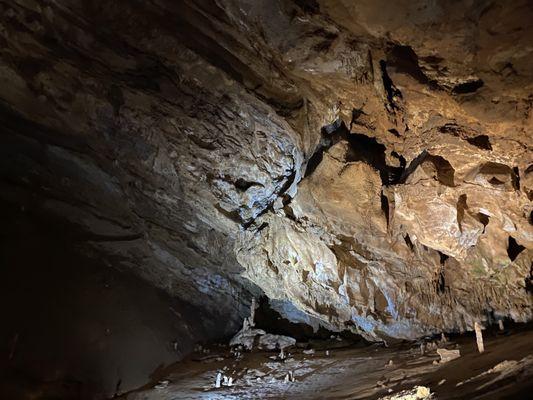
(366,165)
(75,328)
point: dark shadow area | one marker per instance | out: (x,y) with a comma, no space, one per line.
(369,150)
(500,175)
(516,178)
(270,320)
(514,249)
(436,167)
(461,207)
(484,219)
(74,328)
(468,87)
(385,207)
(405,60)
(362,148)
(393,93)
(443,169)
(529,280)
(480,141)
(330,134)
(408,242)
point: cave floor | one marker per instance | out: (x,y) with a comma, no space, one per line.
(355,372)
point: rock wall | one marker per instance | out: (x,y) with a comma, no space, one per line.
(366,164)
(73,328)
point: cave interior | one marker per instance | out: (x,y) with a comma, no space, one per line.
(285,199)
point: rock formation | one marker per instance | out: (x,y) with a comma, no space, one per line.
(366,165)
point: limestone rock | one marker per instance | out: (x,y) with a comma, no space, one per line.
(276,342)
(366,165)
(246,338)
(448,355)
(417,393)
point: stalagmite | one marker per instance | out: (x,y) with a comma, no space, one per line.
(479,337)
(227,381)
(251,319)
(289,377)
(218,380)
(500,324)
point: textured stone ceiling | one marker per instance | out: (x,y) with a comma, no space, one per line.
(367,165)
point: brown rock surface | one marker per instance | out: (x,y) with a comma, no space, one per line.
(367,164)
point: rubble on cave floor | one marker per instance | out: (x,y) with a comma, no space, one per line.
(247,337)
(355,372)
(416,393)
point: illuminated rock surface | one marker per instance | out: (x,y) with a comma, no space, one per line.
(366,165)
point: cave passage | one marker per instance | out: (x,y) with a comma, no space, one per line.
(278,199)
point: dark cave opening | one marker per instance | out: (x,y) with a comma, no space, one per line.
(314,161)
(502,175)
(516,178)
(514,248)
(484,219)
(385,207)
(369,150)
(405,60)
(393,94)
(244,185)
(481,141)
(408,242)
(496,181)
(461,207)
(267,318)
(441,283)
(468,87)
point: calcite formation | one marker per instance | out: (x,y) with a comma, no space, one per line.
(366,165)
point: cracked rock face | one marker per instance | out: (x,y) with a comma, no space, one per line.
(365,165)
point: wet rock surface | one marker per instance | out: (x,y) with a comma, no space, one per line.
(366,166)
